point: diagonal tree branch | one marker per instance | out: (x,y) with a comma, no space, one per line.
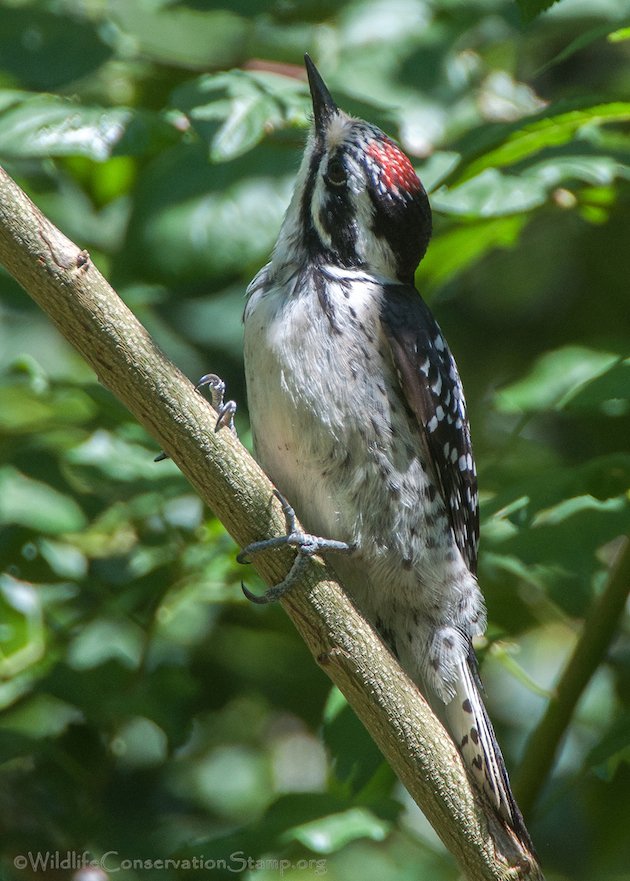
(87,311)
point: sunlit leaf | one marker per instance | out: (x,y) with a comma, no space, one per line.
(555,379)
(195,220)
(139,743)
(506,145)
(64,559)
(619,35)
(329,834)
(43,715)
(595,170)
(103,640)
(235,110)
(24,409)
(117,458)
(464,244)
(491,194)
(21,626)
(570,507)
(46,125)
(36,505)
(609,391)
(174,34)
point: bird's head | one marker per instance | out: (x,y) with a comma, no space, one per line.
(358,202)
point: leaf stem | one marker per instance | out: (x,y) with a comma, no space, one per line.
(597,634)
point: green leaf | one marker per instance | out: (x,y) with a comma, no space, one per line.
(568,508)
(49,126)
(613,750)
(594,170)
(24,410)
(491,194)
(64,559)
(36,505)
(554,380)
(42,715)
(569,535)
(45,125)
(13,745)
(508,662)
(193,220)
(531,8)
(176,35)
(47,51)
(620,35)
(356,759)
(506,145)
(495,194)
(274,831)
(21,626)
(330,834)
(463,244)
(608,392)
(139,743)
(106,639)
(115,457)
(609,29)
(249,105)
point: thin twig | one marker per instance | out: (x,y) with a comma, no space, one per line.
(597,634)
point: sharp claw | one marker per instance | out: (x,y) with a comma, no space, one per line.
(225,410)
(226,416)
(305,544)
(216,385)
(261,600)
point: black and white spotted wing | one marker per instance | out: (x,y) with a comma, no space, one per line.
(433,390)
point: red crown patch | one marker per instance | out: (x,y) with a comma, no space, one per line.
(396,169)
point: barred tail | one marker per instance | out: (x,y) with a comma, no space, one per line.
(471,729)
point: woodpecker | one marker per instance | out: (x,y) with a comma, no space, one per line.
(359,418)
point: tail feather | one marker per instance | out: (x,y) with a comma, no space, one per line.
(472,731)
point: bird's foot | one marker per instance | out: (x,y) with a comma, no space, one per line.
(307,545)
(225,409)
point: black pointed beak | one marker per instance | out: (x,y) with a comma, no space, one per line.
(323,105)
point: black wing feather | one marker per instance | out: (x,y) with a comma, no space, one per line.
(433,390)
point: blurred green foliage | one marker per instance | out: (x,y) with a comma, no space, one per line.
(147,710)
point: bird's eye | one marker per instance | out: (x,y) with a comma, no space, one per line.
(336,173)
